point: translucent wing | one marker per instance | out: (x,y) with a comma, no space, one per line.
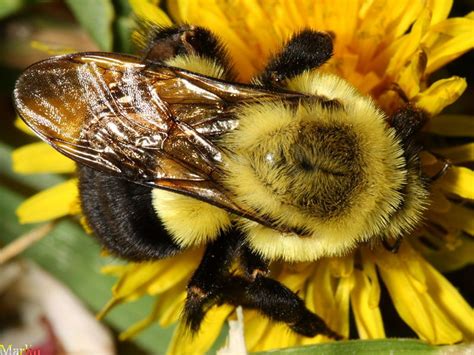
(152,125)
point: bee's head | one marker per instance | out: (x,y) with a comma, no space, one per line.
(335,171)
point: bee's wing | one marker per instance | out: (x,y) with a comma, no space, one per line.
(149,124)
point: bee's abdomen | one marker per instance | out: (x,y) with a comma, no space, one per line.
(122,217)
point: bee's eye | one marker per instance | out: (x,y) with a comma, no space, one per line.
(310,166)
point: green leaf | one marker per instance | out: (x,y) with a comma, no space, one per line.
(96,16)
(122,7)
(361,347)
(8,7)
(123,33)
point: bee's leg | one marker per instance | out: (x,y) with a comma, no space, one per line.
(252,264)
(408,122)
(277,302)
(213,283)
(273,299)
(165,43)
(441,172)
(205,286)
(304,51)
(393,248)
(122,216)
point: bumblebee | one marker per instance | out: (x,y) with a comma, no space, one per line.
(173,153)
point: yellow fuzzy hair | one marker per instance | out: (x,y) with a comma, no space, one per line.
(189,222)
(197,64)
(381,167)
(405,219)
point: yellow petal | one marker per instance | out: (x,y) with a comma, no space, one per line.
(345,29)
(419,307)
(448,51)
(148,10)
(452,125)
(255,328)
(409,44)
(170,305)
(368,318)
(438,202)
(392,39)
(176,9)
(403,15)
(40,158)
(114,270)
(328,297)
(459,154)
(320,293)
(341,317)
(179,268)
(277,336)
(155,277)
(167,309)
(55,202)
(183,342)
(370,272)
(294,276)
(410,76)
(458,181)
(449,300)
(377,31)
(341,267)
(448,40)
(21,125)
(451,259)
(439,9)
(440,94)
(457,216)
(140,326)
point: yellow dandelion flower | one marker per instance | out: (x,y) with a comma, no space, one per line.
(384,48)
